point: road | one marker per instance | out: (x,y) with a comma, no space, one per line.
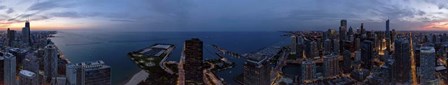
(413,67)
(162,63)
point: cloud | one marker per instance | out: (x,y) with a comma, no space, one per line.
(9,11)
(66,14)
(2,7)
(122,20)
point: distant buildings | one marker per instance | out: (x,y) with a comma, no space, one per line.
(193,66)
(257,70)
(402,65)
(50,62)
(427,64)
(88,73)
(28,78)
(9,68)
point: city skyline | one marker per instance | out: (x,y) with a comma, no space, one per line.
(250,15)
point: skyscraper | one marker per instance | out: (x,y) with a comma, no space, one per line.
(9,68)
(11,36)
(308,68)
(347,59)
(367,54)
(327,46)
(256,70)
(387,29)
(2,69)
(193,55)
(331,66)
(88,73)
(402,65)
(427,65)
(342,35)
(293,44)
(50,62)
(26,33)
(362,29)
(28,78)
(388,36)
(30,63)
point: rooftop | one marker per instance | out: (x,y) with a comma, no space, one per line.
(27,73)
(427,49)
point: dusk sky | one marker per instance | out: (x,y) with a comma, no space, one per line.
(222,15)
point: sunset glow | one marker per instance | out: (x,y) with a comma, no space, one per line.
(443,25)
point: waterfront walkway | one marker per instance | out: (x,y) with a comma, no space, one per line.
(137,78)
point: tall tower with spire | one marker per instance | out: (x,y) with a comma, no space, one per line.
(26,33)
(388,36)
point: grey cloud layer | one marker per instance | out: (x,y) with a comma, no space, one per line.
(193,15)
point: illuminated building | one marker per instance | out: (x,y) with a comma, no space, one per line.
(308,70)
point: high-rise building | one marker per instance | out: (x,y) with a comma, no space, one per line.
(2,69)
(331,66)
(327,46)
(402,65)
(50,62)
(427,65)
(257,70)
(387,29)
(88,73)
(347,61)
(342,35)
(314,49)
(11,36)
(193,54)
(357,55)
(28,78)
(26,33)
(30,63)
(388,36)
(367,54)
(362,29)
(9,68)
(308,68)
(336,46)
(293,44)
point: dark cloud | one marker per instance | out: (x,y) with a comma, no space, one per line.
(9,11)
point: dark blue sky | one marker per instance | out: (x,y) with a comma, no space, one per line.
(223,15)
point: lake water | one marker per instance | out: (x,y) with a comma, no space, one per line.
(112,47)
